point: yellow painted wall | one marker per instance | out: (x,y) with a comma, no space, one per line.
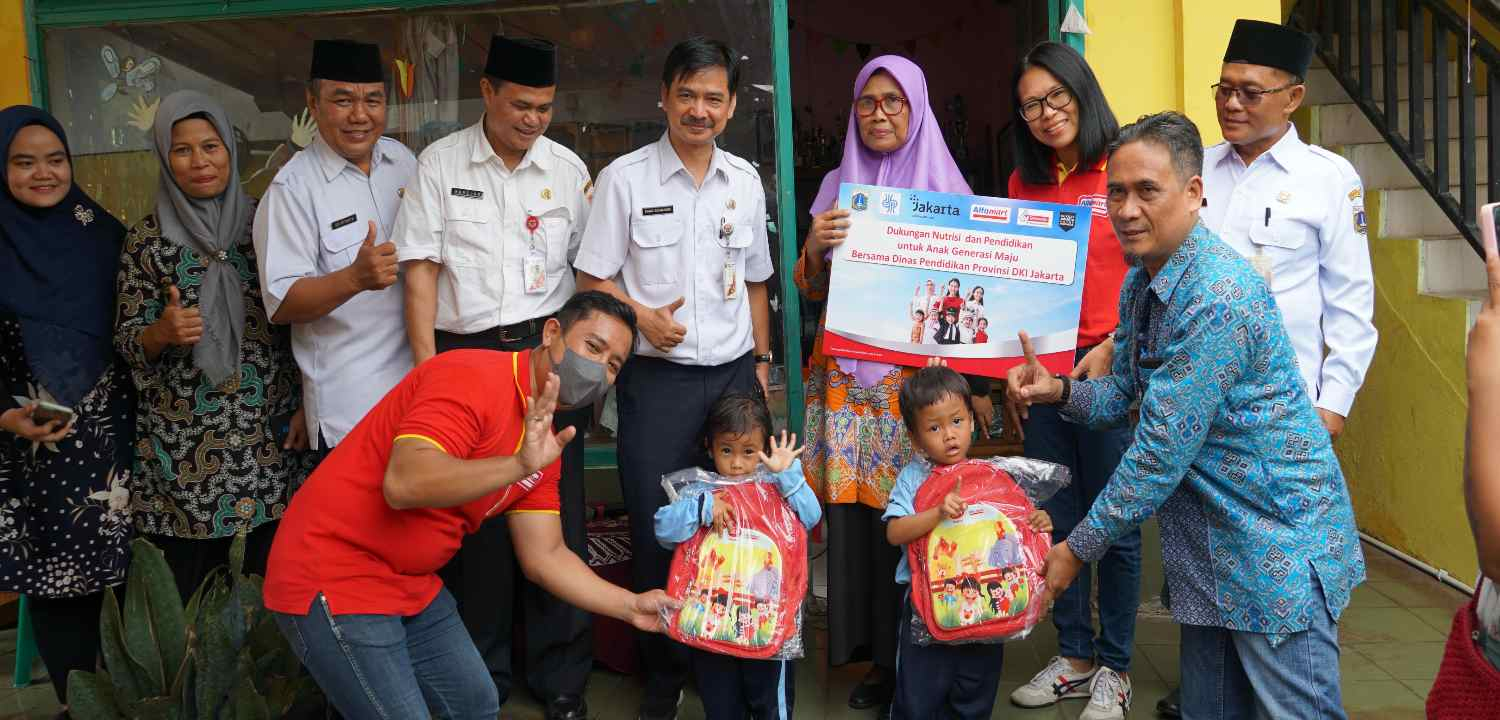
(1402,448)
(1154,55)
(15,87)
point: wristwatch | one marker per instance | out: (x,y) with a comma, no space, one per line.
(763,358)
(1067,391)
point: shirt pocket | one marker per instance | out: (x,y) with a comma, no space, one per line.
(1281,238)
(340,247)
(554,230)
(469,233)
(656,241)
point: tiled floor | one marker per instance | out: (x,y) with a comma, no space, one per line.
(1392,637)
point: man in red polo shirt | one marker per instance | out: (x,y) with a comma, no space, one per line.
(466,435)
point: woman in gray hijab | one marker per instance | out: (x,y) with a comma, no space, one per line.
(218,447)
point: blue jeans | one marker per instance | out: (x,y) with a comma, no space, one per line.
(1228,675)
(389,667)
(1091,457)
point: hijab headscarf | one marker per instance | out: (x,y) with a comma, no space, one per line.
(921,163)
(208,227)
(57,275)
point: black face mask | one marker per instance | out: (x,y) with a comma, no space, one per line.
(581,381)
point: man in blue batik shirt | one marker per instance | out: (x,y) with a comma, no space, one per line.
(1258,535)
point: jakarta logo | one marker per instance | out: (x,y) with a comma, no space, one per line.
(860,202)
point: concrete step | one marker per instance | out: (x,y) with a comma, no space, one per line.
(1323,89)
(1412,213)
(1449,267)
(1380,168)
(1345,123)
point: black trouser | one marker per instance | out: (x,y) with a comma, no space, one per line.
(192,560)
(67,635)
(487,583)
(954,682)
(662,406)
(736,688)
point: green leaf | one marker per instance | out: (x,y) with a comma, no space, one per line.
(248,704)
(237,551)
(154,708)
(91,697)
(128,676)
(217,666)
(155,631)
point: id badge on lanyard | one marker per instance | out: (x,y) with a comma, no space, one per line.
(731,272)
(534,268)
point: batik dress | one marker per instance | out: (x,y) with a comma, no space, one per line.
(209,459)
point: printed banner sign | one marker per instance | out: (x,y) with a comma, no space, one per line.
(926,274)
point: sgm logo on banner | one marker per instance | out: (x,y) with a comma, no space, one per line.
(1067,220)
(1035,218)
(890,203)
(989,213)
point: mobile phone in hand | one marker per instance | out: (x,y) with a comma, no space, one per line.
(46,412)
(1489,218)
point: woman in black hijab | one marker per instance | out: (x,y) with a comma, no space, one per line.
(64,486)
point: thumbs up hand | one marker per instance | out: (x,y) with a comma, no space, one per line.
(660,328)
(375,266)
(179,325)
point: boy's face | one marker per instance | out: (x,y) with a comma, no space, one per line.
(944,430)
(948,588)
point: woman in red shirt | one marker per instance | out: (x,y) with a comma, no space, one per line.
(1060,155)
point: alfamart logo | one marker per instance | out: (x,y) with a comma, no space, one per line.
(890,203)
(1035,218)
(989,213)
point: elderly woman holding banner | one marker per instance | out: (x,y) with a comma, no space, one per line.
(855,438)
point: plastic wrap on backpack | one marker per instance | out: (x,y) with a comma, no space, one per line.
(978,578)
(740,590)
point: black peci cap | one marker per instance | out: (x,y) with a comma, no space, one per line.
(1255,42)
(524,61)
(346,61)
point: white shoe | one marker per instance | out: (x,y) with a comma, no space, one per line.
(1057,681)
(1109,696)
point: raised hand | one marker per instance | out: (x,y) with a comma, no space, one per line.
(541,446)
(179,325)
(783,452)
(1030,382)
(304,128)
(375,266)
(660,328)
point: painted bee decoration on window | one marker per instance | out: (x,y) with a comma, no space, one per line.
(127,75)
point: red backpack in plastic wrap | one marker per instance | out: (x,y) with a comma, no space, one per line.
(741,590)
(979,577)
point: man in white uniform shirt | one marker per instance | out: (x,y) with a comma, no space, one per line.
(322,233)
(1296,211)
(486,239)
(678,231)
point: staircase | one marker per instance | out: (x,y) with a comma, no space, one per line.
(1414,190)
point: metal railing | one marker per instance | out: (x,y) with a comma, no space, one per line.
(1348,31)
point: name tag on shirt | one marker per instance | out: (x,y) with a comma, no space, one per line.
(658,210)
(341,222)
(467,193)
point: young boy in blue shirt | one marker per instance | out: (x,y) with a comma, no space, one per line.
(938,680)
(738,434)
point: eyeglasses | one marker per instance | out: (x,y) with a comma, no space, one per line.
(890,105)
(1249,97)
(1058,99)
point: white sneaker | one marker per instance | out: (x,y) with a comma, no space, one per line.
(1057,681)
(1109,696)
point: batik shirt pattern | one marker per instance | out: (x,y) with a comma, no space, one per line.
(1258,531)
(208,460)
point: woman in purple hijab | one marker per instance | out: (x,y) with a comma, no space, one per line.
(856,442)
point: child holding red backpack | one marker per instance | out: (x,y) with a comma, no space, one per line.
(755,603)
(939,679)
